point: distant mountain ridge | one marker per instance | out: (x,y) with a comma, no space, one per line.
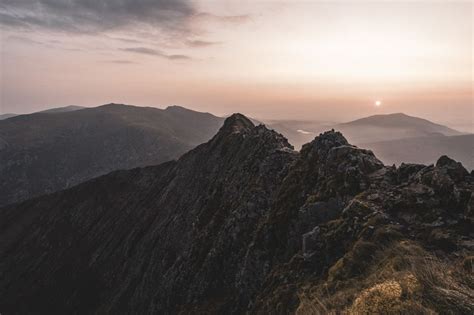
(400,119)
(6,116)
(425,150)
(64,109)
(49,151)
(395,138)
(391,127)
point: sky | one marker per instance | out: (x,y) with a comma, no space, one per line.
(309,60)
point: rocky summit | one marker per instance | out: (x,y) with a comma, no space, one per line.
(245,224)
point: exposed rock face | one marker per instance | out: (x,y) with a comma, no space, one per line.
(241,224)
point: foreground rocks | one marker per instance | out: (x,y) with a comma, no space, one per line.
(245,224)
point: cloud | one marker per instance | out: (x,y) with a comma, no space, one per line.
(22,39)
(178,57)
(155,52)
(144,50)
(229,19)
(94,16)
(200,43)
(168,24)
(48,44)
(121,62)
(126,40)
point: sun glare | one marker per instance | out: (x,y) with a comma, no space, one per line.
(378,103)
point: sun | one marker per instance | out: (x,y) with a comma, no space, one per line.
(378,103)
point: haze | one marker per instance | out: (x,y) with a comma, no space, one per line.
(287,60)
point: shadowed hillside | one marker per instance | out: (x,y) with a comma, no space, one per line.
(49,151)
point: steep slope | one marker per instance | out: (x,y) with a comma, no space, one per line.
(173,227)
(245,224)
(45,152)
(392,126)
(425,150)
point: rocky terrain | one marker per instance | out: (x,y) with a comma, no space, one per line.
(59,148)
(245,224)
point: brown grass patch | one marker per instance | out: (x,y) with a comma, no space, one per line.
(400,279)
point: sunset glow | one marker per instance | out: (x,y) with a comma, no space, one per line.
(262,58)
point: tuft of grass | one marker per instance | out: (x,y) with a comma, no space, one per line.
(401,278)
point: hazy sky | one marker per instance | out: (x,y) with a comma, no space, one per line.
(322,60)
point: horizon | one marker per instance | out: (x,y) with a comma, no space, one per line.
(330,61)
(463,129)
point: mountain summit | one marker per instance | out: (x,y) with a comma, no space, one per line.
(237,123)
(245,224)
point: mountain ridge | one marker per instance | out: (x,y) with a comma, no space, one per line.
(398,118)
(425,150)
(243,223)
(45,152)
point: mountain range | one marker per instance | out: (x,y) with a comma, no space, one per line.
(245,224)
(56,149)
(394,138)
(390,127)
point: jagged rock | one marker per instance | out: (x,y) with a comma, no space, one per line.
(406,171)
(455,170)
(311,241)
(244,224)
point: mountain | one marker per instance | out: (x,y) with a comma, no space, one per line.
(366,130)
(48,111)
(425,150)
(6,116)
(45,152)
(245,224)
(64,109)
(392,126)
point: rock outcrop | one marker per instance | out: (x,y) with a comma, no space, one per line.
(245,224)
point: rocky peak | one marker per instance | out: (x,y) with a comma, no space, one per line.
(239,136)
(237,123)
(454,169)
(321,145)
(335,163)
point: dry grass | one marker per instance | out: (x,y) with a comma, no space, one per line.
(400,279)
